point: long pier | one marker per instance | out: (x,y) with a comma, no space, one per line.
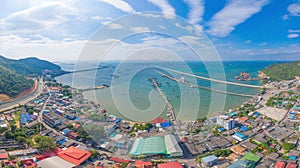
(169,105)
(89,69)
(202,87)
(93,88)
(214,80)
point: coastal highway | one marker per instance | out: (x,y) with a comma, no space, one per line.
(24,99)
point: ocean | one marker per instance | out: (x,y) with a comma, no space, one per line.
(132,96)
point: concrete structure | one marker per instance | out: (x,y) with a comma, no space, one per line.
(209,161)
(51,119)
(240,136)
(55,161)
(172,146)
(241,164)
(226,122)
(156,145)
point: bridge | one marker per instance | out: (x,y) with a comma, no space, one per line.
(214,80)
(201,87)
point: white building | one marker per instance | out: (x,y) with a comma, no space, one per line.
(226,122)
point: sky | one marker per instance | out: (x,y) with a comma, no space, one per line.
(59,30)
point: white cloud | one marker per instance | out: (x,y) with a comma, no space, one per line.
(294,35)
(294,31)
(140,29)
(196,10)
(263,44)
(100,18)
(120,4)
(248,41)
(294,9)
(167,10)
(43,48)
(233,14)
(38,18)
(115,26)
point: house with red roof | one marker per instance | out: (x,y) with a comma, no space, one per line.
(291,165)
(28,163)
(280,164)
(158,120)
(3,155)
(74,155)
(118,160)
(170,165)
(142,164)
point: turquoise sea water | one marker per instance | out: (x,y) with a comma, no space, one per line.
(133,97)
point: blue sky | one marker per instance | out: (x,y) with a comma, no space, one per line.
(239,29)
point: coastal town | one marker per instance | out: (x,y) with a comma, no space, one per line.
(61,128)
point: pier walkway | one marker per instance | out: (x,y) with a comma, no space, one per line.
(93,88)
(214,80)
(169,105)
(202,87)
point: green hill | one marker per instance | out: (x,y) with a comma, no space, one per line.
(12,84)
(31,66)
(13,73)
(283,71)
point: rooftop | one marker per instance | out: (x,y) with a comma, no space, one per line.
(170,165)
(55,161)
(74,155)
(251,157)
(209,158)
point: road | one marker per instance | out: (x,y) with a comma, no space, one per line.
(24,99)
(40,119)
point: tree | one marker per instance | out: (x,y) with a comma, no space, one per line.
(45,143)
(9,135)
(287,146)
(94,154)
(12,157)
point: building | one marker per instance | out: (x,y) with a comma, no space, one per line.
(251,157)
(156,145)
(240,136)
(172,146)
(170,165)
(241,164)
(55,161)
(74,155)
(226,122)
(280,164)
(209,161)
(52,119)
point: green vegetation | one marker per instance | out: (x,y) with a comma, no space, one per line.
(11,83)
(283,71)
(287,146)
(30,66)
(142,126)
(13,72)
(222,153)
(45,143)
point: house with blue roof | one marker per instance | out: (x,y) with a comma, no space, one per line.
(242,164)
(240,136)
(209,161)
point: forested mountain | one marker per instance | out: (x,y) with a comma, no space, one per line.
(30,66)
(13,73)
(11,83)
(283,71)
